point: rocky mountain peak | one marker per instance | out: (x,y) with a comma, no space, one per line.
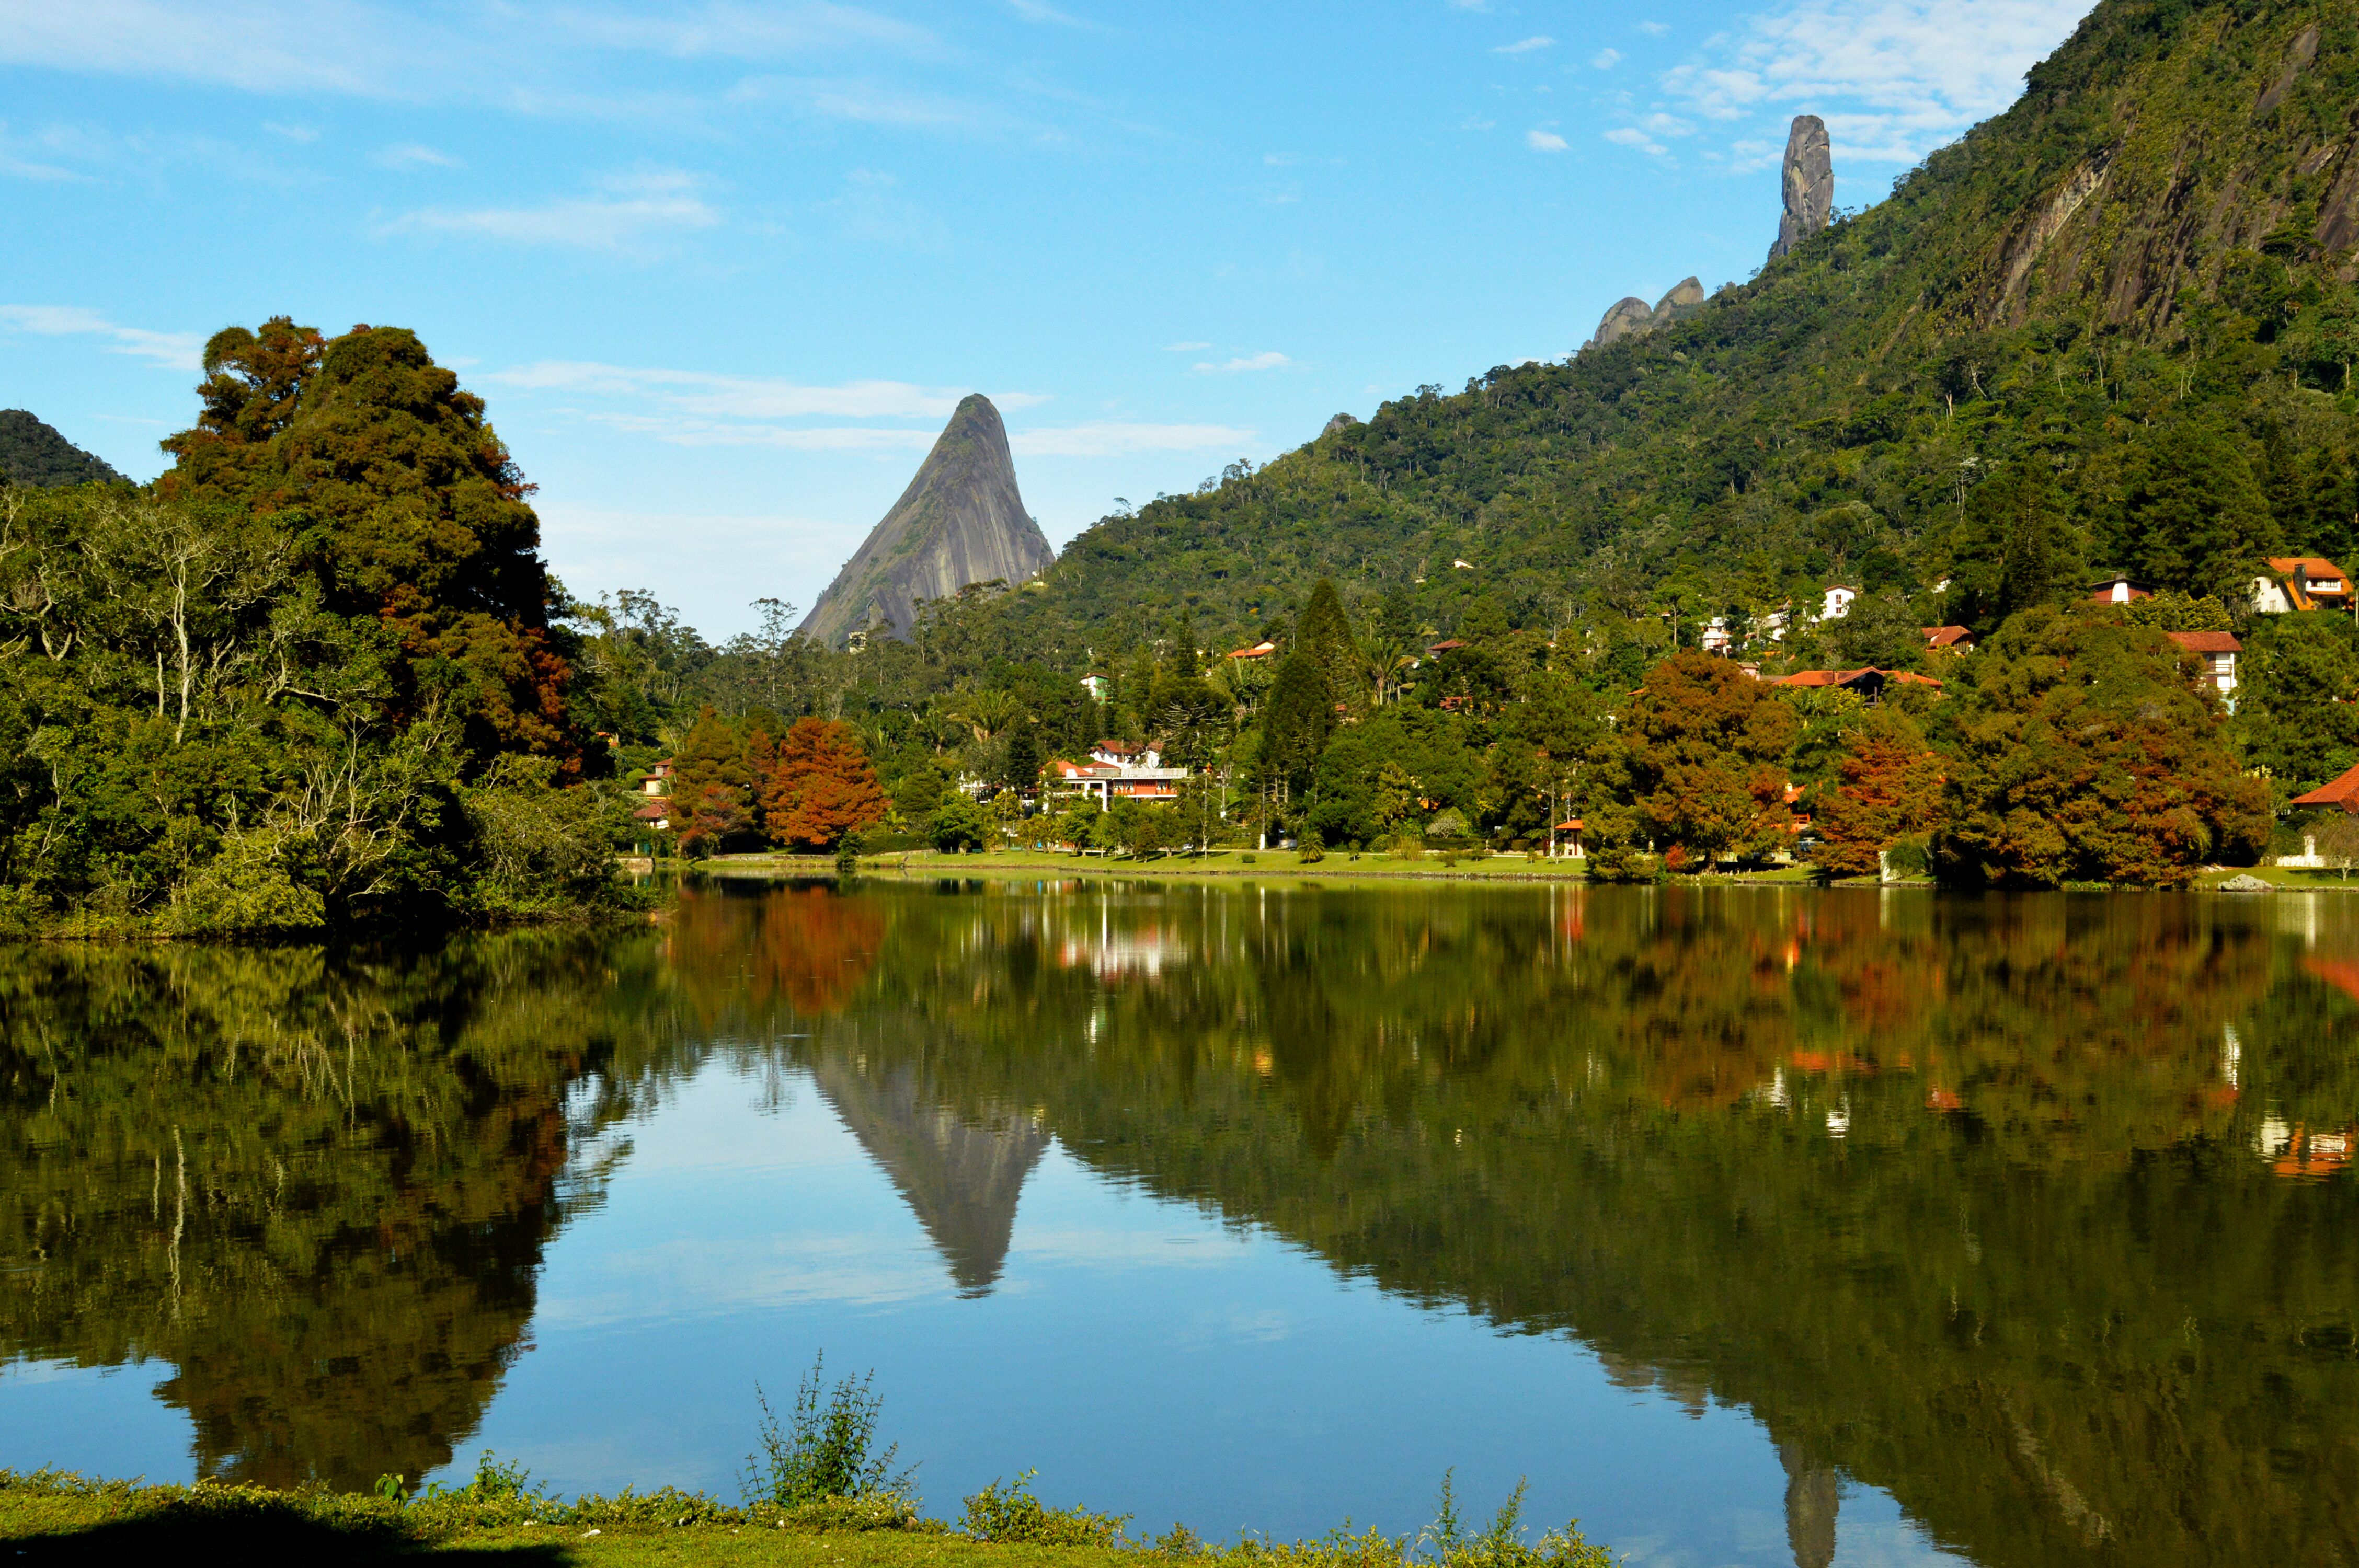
(961,521)
(1808,183)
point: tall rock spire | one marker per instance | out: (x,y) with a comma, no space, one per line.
(961,521)
(1810,184)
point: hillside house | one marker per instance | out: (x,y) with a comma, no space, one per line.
(657,784)
(1717,638)
(1868,683)
(1836,603)
(1117,771)
(2300,583)
(1949,639)
(2342,791)
(1260,650)
(2116,589)
(2218,650)
(1100,687)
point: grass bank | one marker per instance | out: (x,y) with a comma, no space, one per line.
(1337,865)
(54,1518)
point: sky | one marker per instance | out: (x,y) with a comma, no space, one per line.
(722,268)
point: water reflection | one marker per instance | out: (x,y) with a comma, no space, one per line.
(2032,1212)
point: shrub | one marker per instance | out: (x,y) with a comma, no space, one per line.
(1011,1513)
(1405,847)
(824,1450)
(1311,847)
(247,888)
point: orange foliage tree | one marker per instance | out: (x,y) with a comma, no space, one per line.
(820,787)
(1706,747)
(1888,785)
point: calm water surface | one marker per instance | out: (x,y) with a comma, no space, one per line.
(1751,1225)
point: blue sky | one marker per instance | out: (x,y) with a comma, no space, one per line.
(723,267)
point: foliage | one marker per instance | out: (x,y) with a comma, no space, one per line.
(826,1449)
(1007,1512)
(957,823)
(1888,787)
(1706,746)
(821,787)
(2083,753)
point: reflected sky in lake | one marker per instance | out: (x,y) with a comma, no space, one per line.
(1749,1228)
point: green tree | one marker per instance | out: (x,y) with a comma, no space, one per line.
(1706,747)
(2192,517)
(2297,699)
(2083,753)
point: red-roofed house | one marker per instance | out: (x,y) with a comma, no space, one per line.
(1868,682)
(2218,650)
(2301,582)
(2343,792)
(1950,639)
(2116,589)
(1261,650)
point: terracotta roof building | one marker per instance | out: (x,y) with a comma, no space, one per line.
(2301,583)
(1868,682)
(2217,650)
(1951,639)
(2343,792)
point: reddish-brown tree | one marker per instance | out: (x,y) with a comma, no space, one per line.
(713,781)
(1888,786)
(1706,747)
(820,787)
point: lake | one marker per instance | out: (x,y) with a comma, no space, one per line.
(1748,1225)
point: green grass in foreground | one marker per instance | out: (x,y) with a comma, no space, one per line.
(51,1517)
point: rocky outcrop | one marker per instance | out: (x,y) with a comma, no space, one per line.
(961,521)
(1808,183)
(1631,318)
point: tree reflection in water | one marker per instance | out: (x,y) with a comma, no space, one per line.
(2031,1211)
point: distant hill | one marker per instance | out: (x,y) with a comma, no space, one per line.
(2158,235)
(961,521)
(33,454)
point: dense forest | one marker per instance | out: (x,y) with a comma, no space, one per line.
(318,672)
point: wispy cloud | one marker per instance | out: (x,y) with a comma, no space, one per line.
(1108,438)
(867,101)
(711,395)
(414,155)
(1544,141)
(1036,11)
(1893,78)
(1268,359)
(1525,46)
(301,134)
(629,212)
(1606,60)
(171,350)
(1654,29)
(1632,136)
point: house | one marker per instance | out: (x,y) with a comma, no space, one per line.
(1123,754)
(654,814)
(1572,846)
(1717,638)
(1260,650)
(1099,686)
(1950,639)
(1836,603)
(1106,782)
(2301,583)
(659,780)
(2218,650)
(2116,589)
(2342,791)
(1868,682)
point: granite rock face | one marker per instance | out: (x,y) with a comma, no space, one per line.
(1809,184)
(961,521)
(1631,318)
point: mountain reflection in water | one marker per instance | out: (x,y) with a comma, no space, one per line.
(2031,1211)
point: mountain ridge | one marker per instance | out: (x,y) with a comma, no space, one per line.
(32,452)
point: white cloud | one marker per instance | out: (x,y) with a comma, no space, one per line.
(1631,136)
(171,350)
(1112,438)
(1525,46)
(869,102)
(1893,78)
(1606,60)
(1268,359)
(1035,11)
(1654,29)
(747,397)
(414,155)
(1544,141)
(627,214)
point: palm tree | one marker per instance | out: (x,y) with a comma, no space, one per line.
(987,712)
(1383,663)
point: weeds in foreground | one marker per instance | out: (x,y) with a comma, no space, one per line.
(824,1451)
(1010,1512)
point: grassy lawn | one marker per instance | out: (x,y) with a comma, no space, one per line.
(1265,864)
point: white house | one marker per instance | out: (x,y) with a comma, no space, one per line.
(1836,603)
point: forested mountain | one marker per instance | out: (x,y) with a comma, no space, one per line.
(2146,260)
(32,453)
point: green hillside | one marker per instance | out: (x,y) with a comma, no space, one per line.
(32,453)
(2148,252)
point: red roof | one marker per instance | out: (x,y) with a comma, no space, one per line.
(1258,651)
(2343,792)
(654,811)
(1572,826)
(1448,645)
(1845,678)
(1947,636)
(2207,642)
(2308,565)
(1117,748)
